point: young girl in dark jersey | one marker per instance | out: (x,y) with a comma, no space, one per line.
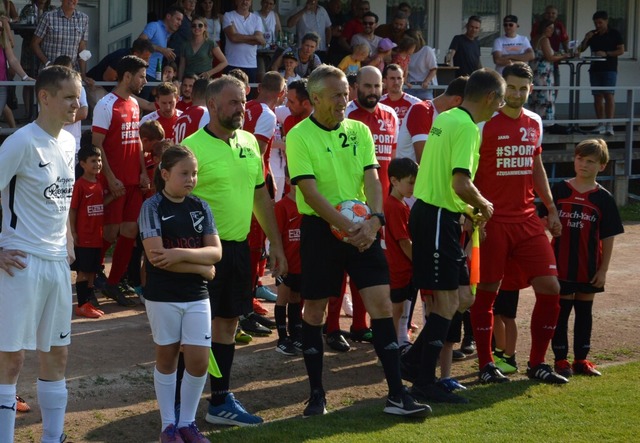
(181,243)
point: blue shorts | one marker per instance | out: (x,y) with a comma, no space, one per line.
(606,78)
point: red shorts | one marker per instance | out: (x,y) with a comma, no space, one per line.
(524,243)
(514,278)
(125,208)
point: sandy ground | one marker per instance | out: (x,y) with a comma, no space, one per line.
(110,373)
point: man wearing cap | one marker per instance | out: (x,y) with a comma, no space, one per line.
(511,47)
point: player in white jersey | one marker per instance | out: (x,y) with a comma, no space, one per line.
(36,179)
(416,125)
(396,98)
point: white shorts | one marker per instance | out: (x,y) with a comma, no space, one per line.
(35,306)
(188,323)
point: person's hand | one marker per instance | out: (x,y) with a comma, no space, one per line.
(144,181)
(163,258)
(89,81)
(10,259)
(600,53)
(210,273)
(486,211)
(553,222)
(277,261)
(259,37)
(599,278)
(116,187)
(205,75)
(169,54)
(362,235)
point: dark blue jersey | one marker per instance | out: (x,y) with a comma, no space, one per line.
(180,225)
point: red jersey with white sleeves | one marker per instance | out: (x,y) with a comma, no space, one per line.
(415,127)
(167,123)
(183,105)
(289,220)
(505,171)
(383,124)
(587,218)
(118,119)
(401,106)
(88,200)
(190,121)
(261,122)
(396,213)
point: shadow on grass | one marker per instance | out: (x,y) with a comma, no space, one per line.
(364,418)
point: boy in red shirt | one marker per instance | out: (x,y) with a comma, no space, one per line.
(289,220)
(86,218)
(402,176)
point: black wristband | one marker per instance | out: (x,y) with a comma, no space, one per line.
(380,217)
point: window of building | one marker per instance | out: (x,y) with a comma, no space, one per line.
(619,12)
(124,42)
(119,13)
(489,12)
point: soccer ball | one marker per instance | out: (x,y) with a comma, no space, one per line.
(354,210)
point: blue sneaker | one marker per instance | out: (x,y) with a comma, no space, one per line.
(231,413)
(265,293)
(451,384)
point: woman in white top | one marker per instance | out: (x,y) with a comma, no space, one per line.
(210,10)
(423,67)
(270,21)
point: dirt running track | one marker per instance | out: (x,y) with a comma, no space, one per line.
(110,374)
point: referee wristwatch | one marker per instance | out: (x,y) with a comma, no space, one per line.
(380,217)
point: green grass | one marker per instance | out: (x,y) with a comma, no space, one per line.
(587,409)
(630,212)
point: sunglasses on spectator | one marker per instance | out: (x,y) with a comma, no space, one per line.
(509,24)
(197,25)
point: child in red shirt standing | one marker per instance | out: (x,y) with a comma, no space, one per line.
(289,220)
(402,176)
(86,218)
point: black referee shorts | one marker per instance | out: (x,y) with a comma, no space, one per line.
(325,259)
(230,292)
(439,263)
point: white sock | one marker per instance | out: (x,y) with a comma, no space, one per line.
(190,393)
(165,385)
(52,397)
(7,412)
(403,331)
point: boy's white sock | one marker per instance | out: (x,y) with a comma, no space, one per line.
(7,411)
(52,397)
